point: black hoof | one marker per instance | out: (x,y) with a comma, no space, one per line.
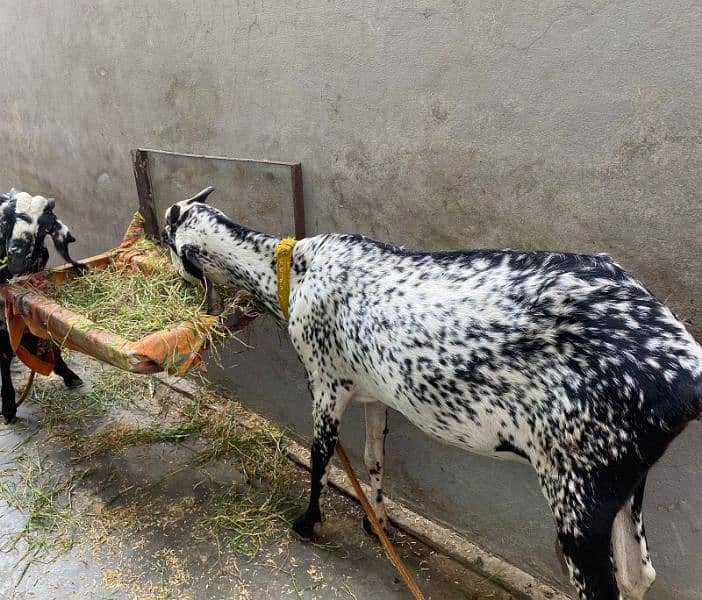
(72,383)
(304,528)
(390,531)
(9,420)
(367,527)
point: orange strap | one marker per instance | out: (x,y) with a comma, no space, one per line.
(41,362)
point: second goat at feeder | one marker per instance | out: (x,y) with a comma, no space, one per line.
(25,221)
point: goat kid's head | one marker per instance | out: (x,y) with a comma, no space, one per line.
(176,213)
(25,221)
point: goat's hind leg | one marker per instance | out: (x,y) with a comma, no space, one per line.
(374,456)
(584,513)
(634,570)
(328,407)
(587,554)
(7,392)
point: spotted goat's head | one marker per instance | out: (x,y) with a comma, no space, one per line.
(25,221)
(175,215)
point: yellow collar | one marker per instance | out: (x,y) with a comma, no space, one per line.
(283,260)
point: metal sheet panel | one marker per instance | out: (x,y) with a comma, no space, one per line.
(263,195)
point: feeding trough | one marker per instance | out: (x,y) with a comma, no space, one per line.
(175,349)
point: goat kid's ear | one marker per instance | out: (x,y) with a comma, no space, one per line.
(60,234)
(201,196)
(50,203)
(61,237)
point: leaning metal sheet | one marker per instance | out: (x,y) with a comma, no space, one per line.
(258,194)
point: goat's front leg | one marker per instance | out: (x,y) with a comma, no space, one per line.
(9,408)
(70,379)
(215,306)
(374,457)
(39,346)
(327,411)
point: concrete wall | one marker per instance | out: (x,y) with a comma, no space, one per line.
(551,124)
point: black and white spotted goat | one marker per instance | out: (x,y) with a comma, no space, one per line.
(562,360)
(25,221)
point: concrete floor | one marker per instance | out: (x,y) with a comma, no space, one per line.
(128,523)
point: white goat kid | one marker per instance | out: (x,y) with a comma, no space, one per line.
(561,360)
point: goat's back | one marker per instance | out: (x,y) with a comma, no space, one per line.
(535,336)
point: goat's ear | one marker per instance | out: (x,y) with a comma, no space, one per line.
(201,196)
(61,237)
(50,203)
(173,214)
(13,192)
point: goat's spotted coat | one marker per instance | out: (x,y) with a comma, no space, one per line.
(25,221)
(564,361)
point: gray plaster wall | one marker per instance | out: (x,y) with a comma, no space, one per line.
(551,124)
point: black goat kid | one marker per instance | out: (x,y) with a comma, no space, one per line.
(25,221)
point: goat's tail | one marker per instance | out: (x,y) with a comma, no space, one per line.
(681,404)
(692,397)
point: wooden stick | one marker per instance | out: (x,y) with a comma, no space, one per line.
(390,551)
(27,389)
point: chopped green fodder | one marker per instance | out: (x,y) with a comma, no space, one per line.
(240,516)
(134,304)
(45,494)
(111,389)
(244,515)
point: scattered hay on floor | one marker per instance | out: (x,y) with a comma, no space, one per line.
(130,525)
(32,485)
(109,389)
(246,514)
(241,516)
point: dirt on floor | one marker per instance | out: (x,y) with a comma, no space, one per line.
(125,488)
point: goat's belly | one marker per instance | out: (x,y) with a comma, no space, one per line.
(478,433)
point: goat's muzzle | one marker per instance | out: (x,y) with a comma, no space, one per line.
(18,265)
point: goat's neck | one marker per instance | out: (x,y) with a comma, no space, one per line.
(250,263)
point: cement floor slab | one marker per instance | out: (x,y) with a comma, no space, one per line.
(145,520)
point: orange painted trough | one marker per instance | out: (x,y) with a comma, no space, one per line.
(174,350)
